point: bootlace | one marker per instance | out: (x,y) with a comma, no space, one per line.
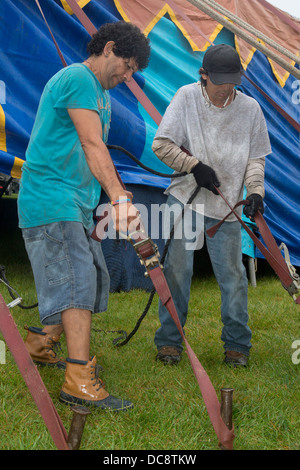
(97,381)
(53,346)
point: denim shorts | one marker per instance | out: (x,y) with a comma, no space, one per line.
(69,269)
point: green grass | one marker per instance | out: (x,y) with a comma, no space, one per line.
(169,411)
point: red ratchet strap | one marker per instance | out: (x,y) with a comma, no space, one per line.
(289,280)
(283,113)
(53,38)
(148,254)
(32,377)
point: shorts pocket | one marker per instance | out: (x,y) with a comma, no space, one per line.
(58,272)
(57,266)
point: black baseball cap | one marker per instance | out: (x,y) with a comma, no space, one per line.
(222,64)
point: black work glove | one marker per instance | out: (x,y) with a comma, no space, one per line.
(255,203)
(206,177)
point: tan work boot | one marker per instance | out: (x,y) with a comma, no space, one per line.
(41,347)
(83,387)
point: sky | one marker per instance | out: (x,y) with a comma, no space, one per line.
(290,6)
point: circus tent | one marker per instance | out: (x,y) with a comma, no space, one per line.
(180,33)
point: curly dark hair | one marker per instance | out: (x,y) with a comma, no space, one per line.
(130,42)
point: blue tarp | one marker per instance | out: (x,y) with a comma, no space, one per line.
(29,58)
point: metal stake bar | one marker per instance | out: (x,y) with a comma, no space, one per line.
(77,426)
(226,408)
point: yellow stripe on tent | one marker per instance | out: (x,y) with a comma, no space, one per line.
(2,131)
(121,11)
(81,3)
(16,170)
(18,162)
(167,9)
(281,80)
(249,58)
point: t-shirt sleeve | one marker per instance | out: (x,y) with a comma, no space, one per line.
(76,89)
(260,142)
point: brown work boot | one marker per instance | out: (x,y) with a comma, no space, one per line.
(83,387)
(168,355)
(41,347)
(236,359)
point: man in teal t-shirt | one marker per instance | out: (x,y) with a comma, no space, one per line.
(67,164)
(56,171)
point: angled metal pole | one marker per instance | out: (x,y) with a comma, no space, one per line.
(32,377)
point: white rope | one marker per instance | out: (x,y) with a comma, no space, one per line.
(240,33)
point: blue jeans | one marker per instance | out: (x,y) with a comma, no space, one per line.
(226,257)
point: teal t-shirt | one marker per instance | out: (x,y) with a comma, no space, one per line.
(56,182)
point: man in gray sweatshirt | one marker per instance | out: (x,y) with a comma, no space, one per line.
(226,138)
